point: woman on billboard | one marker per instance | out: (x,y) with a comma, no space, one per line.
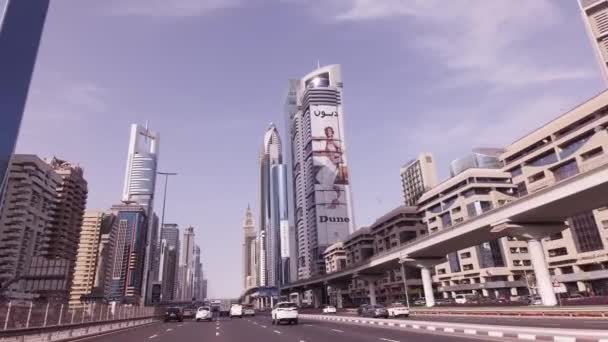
(333,172)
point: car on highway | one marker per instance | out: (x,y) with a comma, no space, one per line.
(419,302)
(375,311)
(188,313)
(329,309)
(398,310)
(444,301)
(467,298)
(535,300)
(284,312)
(174,314)
(362,309)
(248,310)
(204,313)
(236,310)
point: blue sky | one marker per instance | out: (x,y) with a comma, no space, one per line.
(210,75)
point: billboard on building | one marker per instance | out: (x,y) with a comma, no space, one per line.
(330,174)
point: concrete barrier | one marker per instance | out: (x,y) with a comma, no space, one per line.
(482,330)
(72,332)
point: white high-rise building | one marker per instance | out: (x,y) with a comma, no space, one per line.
(323,212)
(186,265)
(249,263)
(140,182)
(270,156)
(595,17)
(418,176)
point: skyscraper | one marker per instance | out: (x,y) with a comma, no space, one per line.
(20,35)
(40,225)
(270,156)
(186,270)
(140,182)
(278,234)
(170,235)
(321,187)
(127,283)
(249,235)
(417,176)
(197,266)
(88,257)
(595,14)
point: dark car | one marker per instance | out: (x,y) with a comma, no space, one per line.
(361,309)
(188,313)
(174,314)
(375,311)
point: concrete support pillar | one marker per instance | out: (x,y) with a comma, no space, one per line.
(543,278)
(339,298)
(372,292)
(427,285)
(271,302)
(317,295)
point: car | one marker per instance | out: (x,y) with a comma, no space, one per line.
(420,302)
(362,309)
(398,310)
(375,311)
(284,312)
(444,301)
(236,310)
(248,311)
(174,314)
(535,300)
(329,309)
(204,313)
(188,313)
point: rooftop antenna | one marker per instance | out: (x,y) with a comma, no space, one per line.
(318,64)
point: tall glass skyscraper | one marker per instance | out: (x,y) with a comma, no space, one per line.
(319,168)
(20,33)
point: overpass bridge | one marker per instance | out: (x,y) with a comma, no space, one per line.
(531,217)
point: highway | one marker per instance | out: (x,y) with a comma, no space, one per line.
(549,322)
(259,328)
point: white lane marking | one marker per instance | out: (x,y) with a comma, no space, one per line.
(153,336)
(263,326)
(564,339)
(431,328)
(337,330)
(450,330)
(495,333)
(179,325)
(387,340)
(470,332)
(277,332)
(308,325)
(416,326)
(169,329)
(526,337)
(256,323)
(217,333)
(217,328)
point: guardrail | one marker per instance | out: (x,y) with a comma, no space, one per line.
(464,329)
(71,331)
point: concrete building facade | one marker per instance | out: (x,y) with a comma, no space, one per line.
(248,250)
(417,176)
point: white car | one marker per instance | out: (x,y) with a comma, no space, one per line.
(285,312)
(329,309)
(398,310)
(204,313)
(236,310)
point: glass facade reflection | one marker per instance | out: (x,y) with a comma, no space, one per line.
(19,40)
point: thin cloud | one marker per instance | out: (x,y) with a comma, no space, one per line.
(476,41)
(170,8)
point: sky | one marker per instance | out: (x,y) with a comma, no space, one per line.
(210,75)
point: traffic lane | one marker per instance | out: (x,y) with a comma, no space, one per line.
(576,323)
(126,335)
(311,330)
(246,329)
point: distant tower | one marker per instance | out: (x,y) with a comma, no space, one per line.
(595,13)
(418,176)
(249,236)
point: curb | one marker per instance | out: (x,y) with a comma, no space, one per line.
(494,331)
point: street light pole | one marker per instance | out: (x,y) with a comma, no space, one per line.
(407,297)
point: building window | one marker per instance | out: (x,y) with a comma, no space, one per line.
(465,255)
(454,262)
(516,171)
(523,249)
(544,159)
(536,177)
(566,170)
(446,220)
(441,271)
(514,250)
(467,267)
(521,190)
(556,236)
(605,224)
(592,153)
(527,262)
(586,234)
(557,252)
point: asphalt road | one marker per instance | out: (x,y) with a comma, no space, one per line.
(260,329)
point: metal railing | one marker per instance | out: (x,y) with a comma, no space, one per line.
(20,315)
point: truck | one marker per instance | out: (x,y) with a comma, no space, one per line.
(222,306)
